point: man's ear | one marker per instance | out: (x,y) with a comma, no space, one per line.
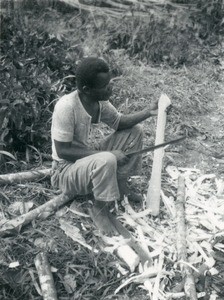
(86,89)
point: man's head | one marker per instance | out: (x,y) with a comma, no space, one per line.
(93,78)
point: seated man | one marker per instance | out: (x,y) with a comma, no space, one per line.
(79,166)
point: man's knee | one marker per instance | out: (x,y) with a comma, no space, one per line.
(105,166)
(108,158)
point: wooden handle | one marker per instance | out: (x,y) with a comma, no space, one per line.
(153,193)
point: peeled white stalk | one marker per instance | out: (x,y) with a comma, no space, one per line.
(126,254)
(153,193)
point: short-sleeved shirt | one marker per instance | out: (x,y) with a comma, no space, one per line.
(71,122)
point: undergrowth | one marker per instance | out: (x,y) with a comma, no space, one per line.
(33,65)
(78,273)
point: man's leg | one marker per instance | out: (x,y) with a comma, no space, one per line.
(95,174)
(127,140)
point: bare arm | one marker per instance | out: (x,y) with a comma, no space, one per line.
(69,152)
(127,121)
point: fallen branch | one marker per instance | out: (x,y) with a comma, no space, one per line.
(41,212)
(45,277)
(24,176)
(189,284)
(172,296)
(93,9)
(143,8)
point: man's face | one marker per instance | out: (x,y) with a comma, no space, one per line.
(102,90)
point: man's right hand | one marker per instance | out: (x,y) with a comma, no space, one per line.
(122,159)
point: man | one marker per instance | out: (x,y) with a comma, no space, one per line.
(79,166)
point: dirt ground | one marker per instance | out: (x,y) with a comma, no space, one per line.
(204,147)
(206,150)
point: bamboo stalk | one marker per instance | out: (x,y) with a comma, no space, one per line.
(189,284)
(24,176)
(154,188)
(43,211)
(117,9)
(149,4)
(45,277)
(158,277)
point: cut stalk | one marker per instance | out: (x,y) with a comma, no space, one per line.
(189,283)
(153,193)
(45,277)
(24,176)
(41,212)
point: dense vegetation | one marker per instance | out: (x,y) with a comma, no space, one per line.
(34,64)
(38,61)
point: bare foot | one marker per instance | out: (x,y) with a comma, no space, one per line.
(135,197)
(132,196)
(100,215)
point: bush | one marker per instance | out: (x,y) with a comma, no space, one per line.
(33,65)
(210,18)
(155,41)
(176,37)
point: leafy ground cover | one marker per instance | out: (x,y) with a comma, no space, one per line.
(38,65)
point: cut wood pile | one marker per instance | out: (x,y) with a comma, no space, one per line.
(141,8)
(185,244)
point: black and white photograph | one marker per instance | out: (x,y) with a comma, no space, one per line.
(111,149)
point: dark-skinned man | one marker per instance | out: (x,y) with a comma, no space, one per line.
(79,165)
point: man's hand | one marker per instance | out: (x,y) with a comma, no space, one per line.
(130,120)
(154,112)
(122,159)
(153,108)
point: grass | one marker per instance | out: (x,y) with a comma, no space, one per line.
(79,273)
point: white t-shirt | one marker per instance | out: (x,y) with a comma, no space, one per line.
(71,122)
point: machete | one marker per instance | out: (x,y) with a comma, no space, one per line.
(151,148)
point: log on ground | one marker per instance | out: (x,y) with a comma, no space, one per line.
(189,282)
(45,277)
(24,176)
(41,212)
